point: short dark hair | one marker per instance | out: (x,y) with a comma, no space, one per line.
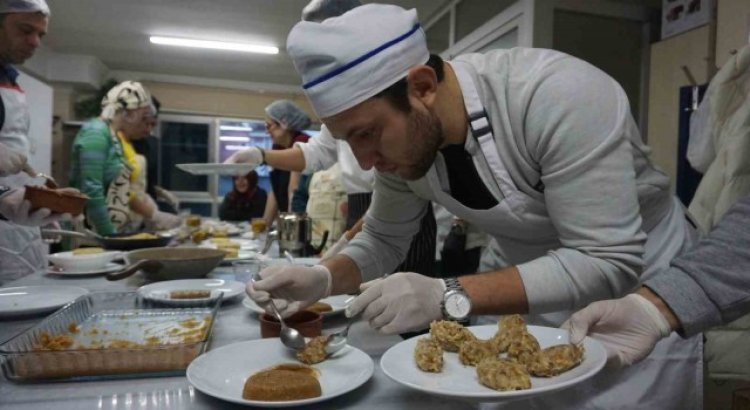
(398,93)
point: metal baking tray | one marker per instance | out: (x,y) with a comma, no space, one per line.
(110,335)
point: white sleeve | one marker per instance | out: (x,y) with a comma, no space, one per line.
(577,128)
(320,152)
(391,222)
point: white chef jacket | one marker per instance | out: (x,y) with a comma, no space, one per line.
(323,151)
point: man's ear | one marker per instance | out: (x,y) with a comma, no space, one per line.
(423,84)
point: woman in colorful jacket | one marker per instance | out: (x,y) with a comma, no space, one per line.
(104,164)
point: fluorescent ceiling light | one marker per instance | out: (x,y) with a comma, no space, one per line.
(216,45)
(235,128)
(234,139)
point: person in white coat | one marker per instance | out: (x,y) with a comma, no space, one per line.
(22,25)
(537,148)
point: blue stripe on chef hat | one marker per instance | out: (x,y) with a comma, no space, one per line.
(347,59)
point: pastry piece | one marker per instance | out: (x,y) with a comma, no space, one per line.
(319,307)
(55,200)
(189,294)
(450,335)
(314,351)
(230,252)
(503,375)
(429,355)
(193,221)
(474,351)
(508,328)
(199,236)
(523,348)
(87,251)
(555,360)
(282,383)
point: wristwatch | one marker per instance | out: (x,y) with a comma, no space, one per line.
(4,190)
(456,304)
(263,156)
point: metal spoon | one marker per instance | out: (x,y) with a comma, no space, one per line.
(291,338)
(49,182)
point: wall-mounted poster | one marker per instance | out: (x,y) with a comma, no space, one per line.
(678,16)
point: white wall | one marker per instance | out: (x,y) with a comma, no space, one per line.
(39,97)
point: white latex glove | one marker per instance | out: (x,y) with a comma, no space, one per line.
(163,220)
(398,303)
(293,287)
(629,328)
(18,210)
(167,196)
(336,248)
(11,162)
(252,156)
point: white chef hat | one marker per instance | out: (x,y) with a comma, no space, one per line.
(319,10)
(24,6)
(128,95)
(347,59)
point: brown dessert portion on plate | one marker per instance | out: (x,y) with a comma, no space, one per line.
(284,382)
(55,200)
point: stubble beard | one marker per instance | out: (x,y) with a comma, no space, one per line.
(427,133)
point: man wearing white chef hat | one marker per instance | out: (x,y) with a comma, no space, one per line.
(534,146)
(22,25)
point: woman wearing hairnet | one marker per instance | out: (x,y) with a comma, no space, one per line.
(104,165)
(285,121)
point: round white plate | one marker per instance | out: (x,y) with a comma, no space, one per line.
(111,267)
(28,300)
(459,381)
(297,261)
(338,304)
(216,169)
(222,372)
(159,291)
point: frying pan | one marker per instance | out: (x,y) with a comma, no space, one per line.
(170,263)
(116,241)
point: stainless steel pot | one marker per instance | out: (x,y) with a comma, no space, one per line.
(294,233)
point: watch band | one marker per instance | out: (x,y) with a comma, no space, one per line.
(453,284)
(263,156)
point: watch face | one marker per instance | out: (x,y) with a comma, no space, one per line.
(457,305)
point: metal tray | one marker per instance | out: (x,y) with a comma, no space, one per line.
(110,335)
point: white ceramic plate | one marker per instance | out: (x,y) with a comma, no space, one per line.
(216,169)
(338,304)
(222,372)
(29,300)
(459,381)
(159,291)
(298,261)
(111,267)
(86,262)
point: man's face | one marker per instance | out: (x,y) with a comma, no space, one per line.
(20,36)
(389,139)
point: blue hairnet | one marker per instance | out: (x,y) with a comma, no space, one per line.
(319,10)
(289,115)
(24,6)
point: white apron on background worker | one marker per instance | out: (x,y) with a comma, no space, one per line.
(22,250)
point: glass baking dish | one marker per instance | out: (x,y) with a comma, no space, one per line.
(111,335)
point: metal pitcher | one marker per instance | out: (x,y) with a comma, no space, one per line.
(294,233)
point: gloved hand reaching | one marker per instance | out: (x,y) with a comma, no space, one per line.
(252,156)
(292,287)
(401,302)
(629,328)
(336,247)
(11,162)
(160,220)
(18,210)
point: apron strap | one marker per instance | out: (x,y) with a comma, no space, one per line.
(481,128)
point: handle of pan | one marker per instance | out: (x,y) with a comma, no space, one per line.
(146,264)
